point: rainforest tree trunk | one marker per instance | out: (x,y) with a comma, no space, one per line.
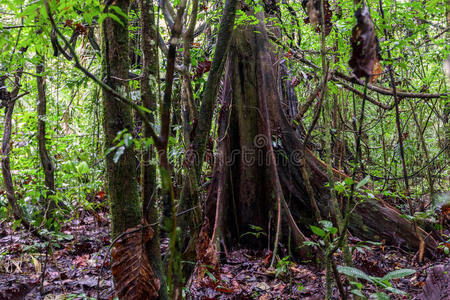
(122,185)
(242,192)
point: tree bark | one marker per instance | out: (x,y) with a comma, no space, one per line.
(121,178)
(8,100)
(249,187)
(197,149)
(48,202)
(148,170)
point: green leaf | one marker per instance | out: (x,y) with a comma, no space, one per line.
(326,224)
(363,182)
(332,230)
(16,224)
(379,296)
(318,231)
(109,150)
(128,139)
(348,181)
(353,272)
(83,168)
(398,274)
(395,291)
(358,293)
(116,18)
(119,11)
(358,285)
(255,227)
(310,244)
(118,154)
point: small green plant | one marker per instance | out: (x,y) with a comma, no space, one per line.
(445,246)
(381,282)
(323,233)
(258,231)
(283,266)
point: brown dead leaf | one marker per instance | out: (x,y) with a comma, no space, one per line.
(376,72)
(131,268)
(207,258)
(80,261)
(265,297)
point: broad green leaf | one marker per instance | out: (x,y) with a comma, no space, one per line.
(326,224)
(119,11)
(348,181)
(398,274)
(379,296)
(354,272)
(363,182)
(83,168)
(310,244)
(115,18)
(318,231)
(332,230)
(128,139)
(395,291)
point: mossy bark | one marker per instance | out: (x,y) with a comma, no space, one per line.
(148,170)
(122,185)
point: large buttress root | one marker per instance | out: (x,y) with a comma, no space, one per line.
(244,190)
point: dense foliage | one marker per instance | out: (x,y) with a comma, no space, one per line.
(395,143)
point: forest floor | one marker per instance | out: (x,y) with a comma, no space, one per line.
(77,262)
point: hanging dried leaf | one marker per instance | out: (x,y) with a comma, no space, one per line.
(134,277)
(376,72)
(364,44)
(314,12)
(202,67)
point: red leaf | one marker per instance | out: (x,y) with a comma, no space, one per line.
(266,260)
(100,195)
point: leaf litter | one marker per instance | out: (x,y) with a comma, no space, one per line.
(77,261)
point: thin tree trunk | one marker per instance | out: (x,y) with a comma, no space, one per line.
(148,170)
(9,101)
(198,145)
(49,203)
